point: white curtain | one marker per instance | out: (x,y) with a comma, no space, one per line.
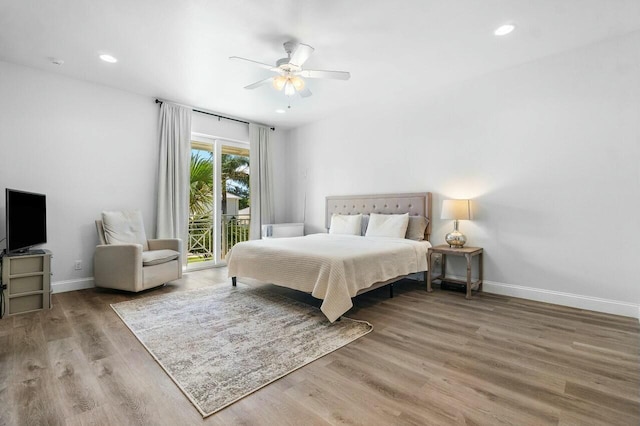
(260,179)
(173,172)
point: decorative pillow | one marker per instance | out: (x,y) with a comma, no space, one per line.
(156,257)
(124,227)
(365,223)
(346,224)
(388,225)
(416,228)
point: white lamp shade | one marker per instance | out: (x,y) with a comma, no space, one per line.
(279,82)
(456,209)
(289,89)
(298,83)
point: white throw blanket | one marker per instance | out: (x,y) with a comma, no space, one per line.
(331,267)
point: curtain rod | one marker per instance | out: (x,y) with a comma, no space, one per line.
(158,101)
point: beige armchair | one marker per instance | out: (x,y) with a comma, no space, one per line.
(126,260)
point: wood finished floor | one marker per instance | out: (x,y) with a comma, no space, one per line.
(432,359)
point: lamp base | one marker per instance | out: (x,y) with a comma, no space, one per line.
(455,239)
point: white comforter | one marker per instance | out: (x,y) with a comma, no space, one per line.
(330,267)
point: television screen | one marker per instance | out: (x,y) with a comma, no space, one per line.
(26,219)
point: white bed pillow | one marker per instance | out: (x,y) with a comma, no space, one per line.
(387,225)
(346,224)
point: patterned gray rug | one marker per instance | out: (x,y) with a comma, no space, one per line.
(221,344)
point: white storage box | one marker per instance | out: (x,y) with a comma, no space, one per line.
(282,230)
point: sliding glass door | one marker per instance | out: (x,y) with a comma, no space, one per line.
(219,214)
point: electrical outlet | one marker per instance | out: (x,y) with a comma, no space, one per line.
(436,259)
(78,265)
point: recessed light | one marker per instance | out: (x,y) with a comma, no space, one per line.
(108,58)
(280,111)
(504,29)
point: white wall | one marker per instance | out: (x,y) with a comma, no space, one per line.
(549,151)
(88,148)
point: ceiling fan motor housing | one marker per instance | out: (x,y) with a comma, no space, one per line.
(289,46)
(284,65)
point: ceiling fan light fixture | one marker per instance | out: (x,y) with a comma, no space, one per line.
(279,82)
(289,88)
(298,83)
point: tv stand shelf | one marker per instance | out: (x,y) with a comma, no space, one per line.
(28,281)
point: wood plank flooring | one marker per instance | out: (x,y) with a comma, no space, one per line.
(432,359)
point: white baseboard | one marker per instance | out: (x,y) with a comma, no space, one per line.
(541,295)
(566,299)
(71,285)
(579,301)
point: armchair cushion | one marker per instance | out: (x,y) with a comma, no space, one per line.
(156,257)
(124,227)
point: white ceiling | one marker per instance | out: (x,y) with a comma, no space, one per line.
(179,50)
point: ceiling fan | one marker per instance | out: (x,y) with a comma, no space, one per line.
(290,72)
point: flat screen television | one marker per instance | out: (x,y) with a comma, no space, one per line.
(26,220)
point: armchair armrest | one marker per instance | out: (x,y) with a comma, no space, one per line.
(166,244)
(118,266)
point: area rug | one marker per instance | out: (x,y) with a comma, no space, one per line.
(221,344)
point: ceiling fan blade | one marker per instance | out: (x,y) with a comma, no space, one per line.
(301,54)
(260,83)
(333,75)
(260,64)
(305,93)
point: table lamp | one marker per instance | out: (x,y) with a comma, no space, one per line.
(456,210)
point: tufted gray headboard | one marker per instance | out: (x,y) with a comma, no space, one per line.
(415,204)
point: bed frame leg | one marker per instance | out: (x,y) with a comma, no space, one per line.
(391,291)
(233,281)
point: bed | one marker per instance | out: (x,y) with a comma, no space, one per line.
(336,268)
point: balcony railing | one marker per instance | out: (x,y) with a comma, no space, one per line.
(234,230)
(200,247)
(201,243)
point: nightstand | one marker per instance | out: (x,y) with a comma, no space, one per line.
(468,253)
